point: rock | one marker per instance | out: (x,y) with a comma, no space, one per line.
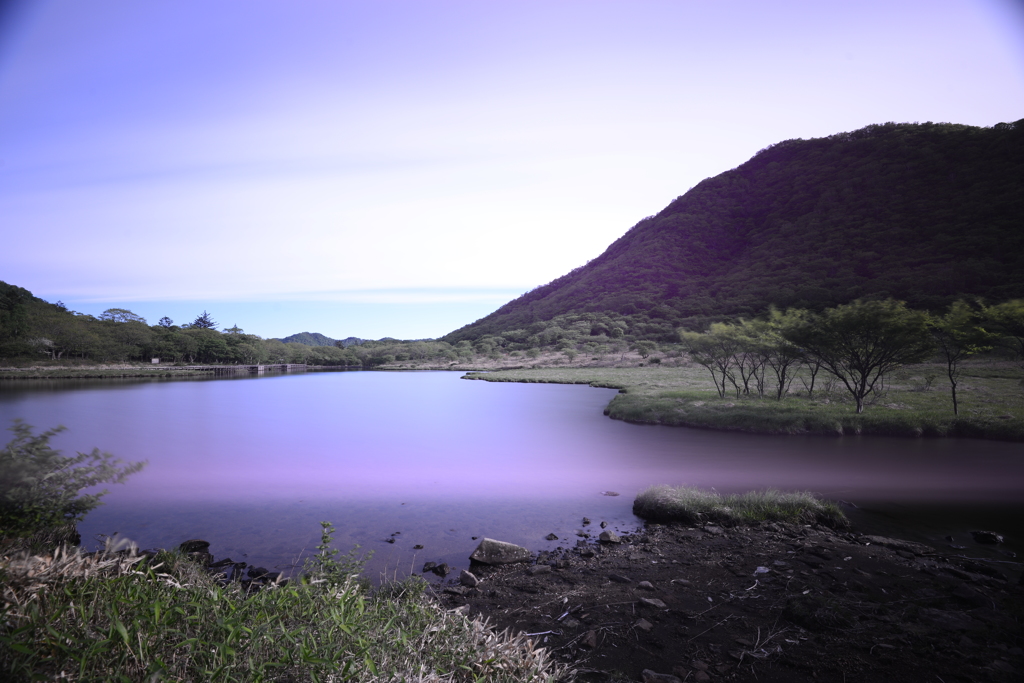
(468,579)
(498,552)
(699,665)
(715,530)
(987,537)
(609,537)
(604,524)
(551,537)
(429,566)
(589,640)
(646,585)
(194,545)
(652,677)
(586,521)
(898,544)
(570,623)
(454,590)
(389,540)
(539,569)
(653,602)
(701,677)
(619,578)
(682,582)
(417,547)
(644,625)
(587,552)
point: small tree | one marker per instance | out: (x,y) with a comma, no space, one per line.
(1007,320)
(959,336)
(39,488)
(165,322)
(863,341)
(204,322)
(716,350)
(121,315)
(645,347)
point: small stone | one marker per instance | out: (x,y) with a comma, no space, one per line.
(683,582)
(429,566)
(539,569)
(646,585)
(716,530)
(652,677)
(194,545)
(454,590)
(609,537)
(570,623)
(699,665)
(551,537)
(987,537)
(498,552)
(469,579)
(653,602)
(587,552)
(644,625)
(604,524)
(619,578)
(389,540)
(701,677)
(586,521)
(417,547)
(589,640)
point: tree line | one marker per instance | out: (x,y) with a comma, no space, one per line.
(860,344)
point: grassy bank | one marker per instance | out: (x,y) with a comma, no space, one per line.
(115,616)
(98,372)
(914,403)
(692,505)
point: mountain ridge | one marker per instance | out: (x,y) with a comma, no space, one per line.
(925,213)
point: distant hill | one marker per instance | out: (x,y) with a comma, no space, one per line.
(925,213)
(317,339)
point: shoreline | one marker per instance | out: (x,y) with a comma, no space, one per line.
(769,602)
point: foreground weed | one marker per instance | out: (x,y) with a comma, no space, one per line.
(119,616)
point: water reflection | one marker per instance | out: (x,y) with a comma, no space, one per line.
(253,464)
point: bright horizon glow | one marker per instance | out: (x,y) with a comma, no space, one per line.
(403,168)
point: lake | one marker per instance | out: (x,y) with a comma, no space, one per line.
(425,458)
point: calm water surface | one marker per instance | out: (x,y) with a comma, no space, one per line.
(252,465)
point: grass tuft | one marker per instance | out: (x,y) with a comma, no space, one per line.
(120,616)
(693,505)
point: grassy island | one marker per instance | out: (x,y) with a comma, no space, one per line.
(913,402)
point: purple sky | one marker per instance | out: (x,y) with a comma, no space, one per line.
(402,168)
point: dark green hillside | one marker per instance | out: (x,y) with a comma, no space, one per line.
(925,213)
(309,339)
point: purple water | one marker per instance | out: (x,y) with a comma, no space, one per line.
(252,465)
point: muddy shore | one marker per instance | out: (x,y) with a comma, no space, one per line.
(770,603)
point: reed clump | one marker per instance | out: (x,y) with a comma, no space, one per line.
(693,505)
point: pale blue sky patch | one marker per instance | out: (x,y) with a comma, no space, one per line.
(262,151)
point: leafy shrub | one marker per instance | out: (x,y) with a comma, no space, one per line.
(40,488)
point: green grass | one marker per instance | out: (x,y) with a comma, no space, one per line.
(117,617)
(915,403)
(692,505)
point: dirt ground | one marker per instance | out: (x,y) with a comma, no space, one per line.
(774,603)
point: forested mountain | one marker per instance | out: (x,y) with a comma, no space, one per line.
(925,213)
(317,339)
